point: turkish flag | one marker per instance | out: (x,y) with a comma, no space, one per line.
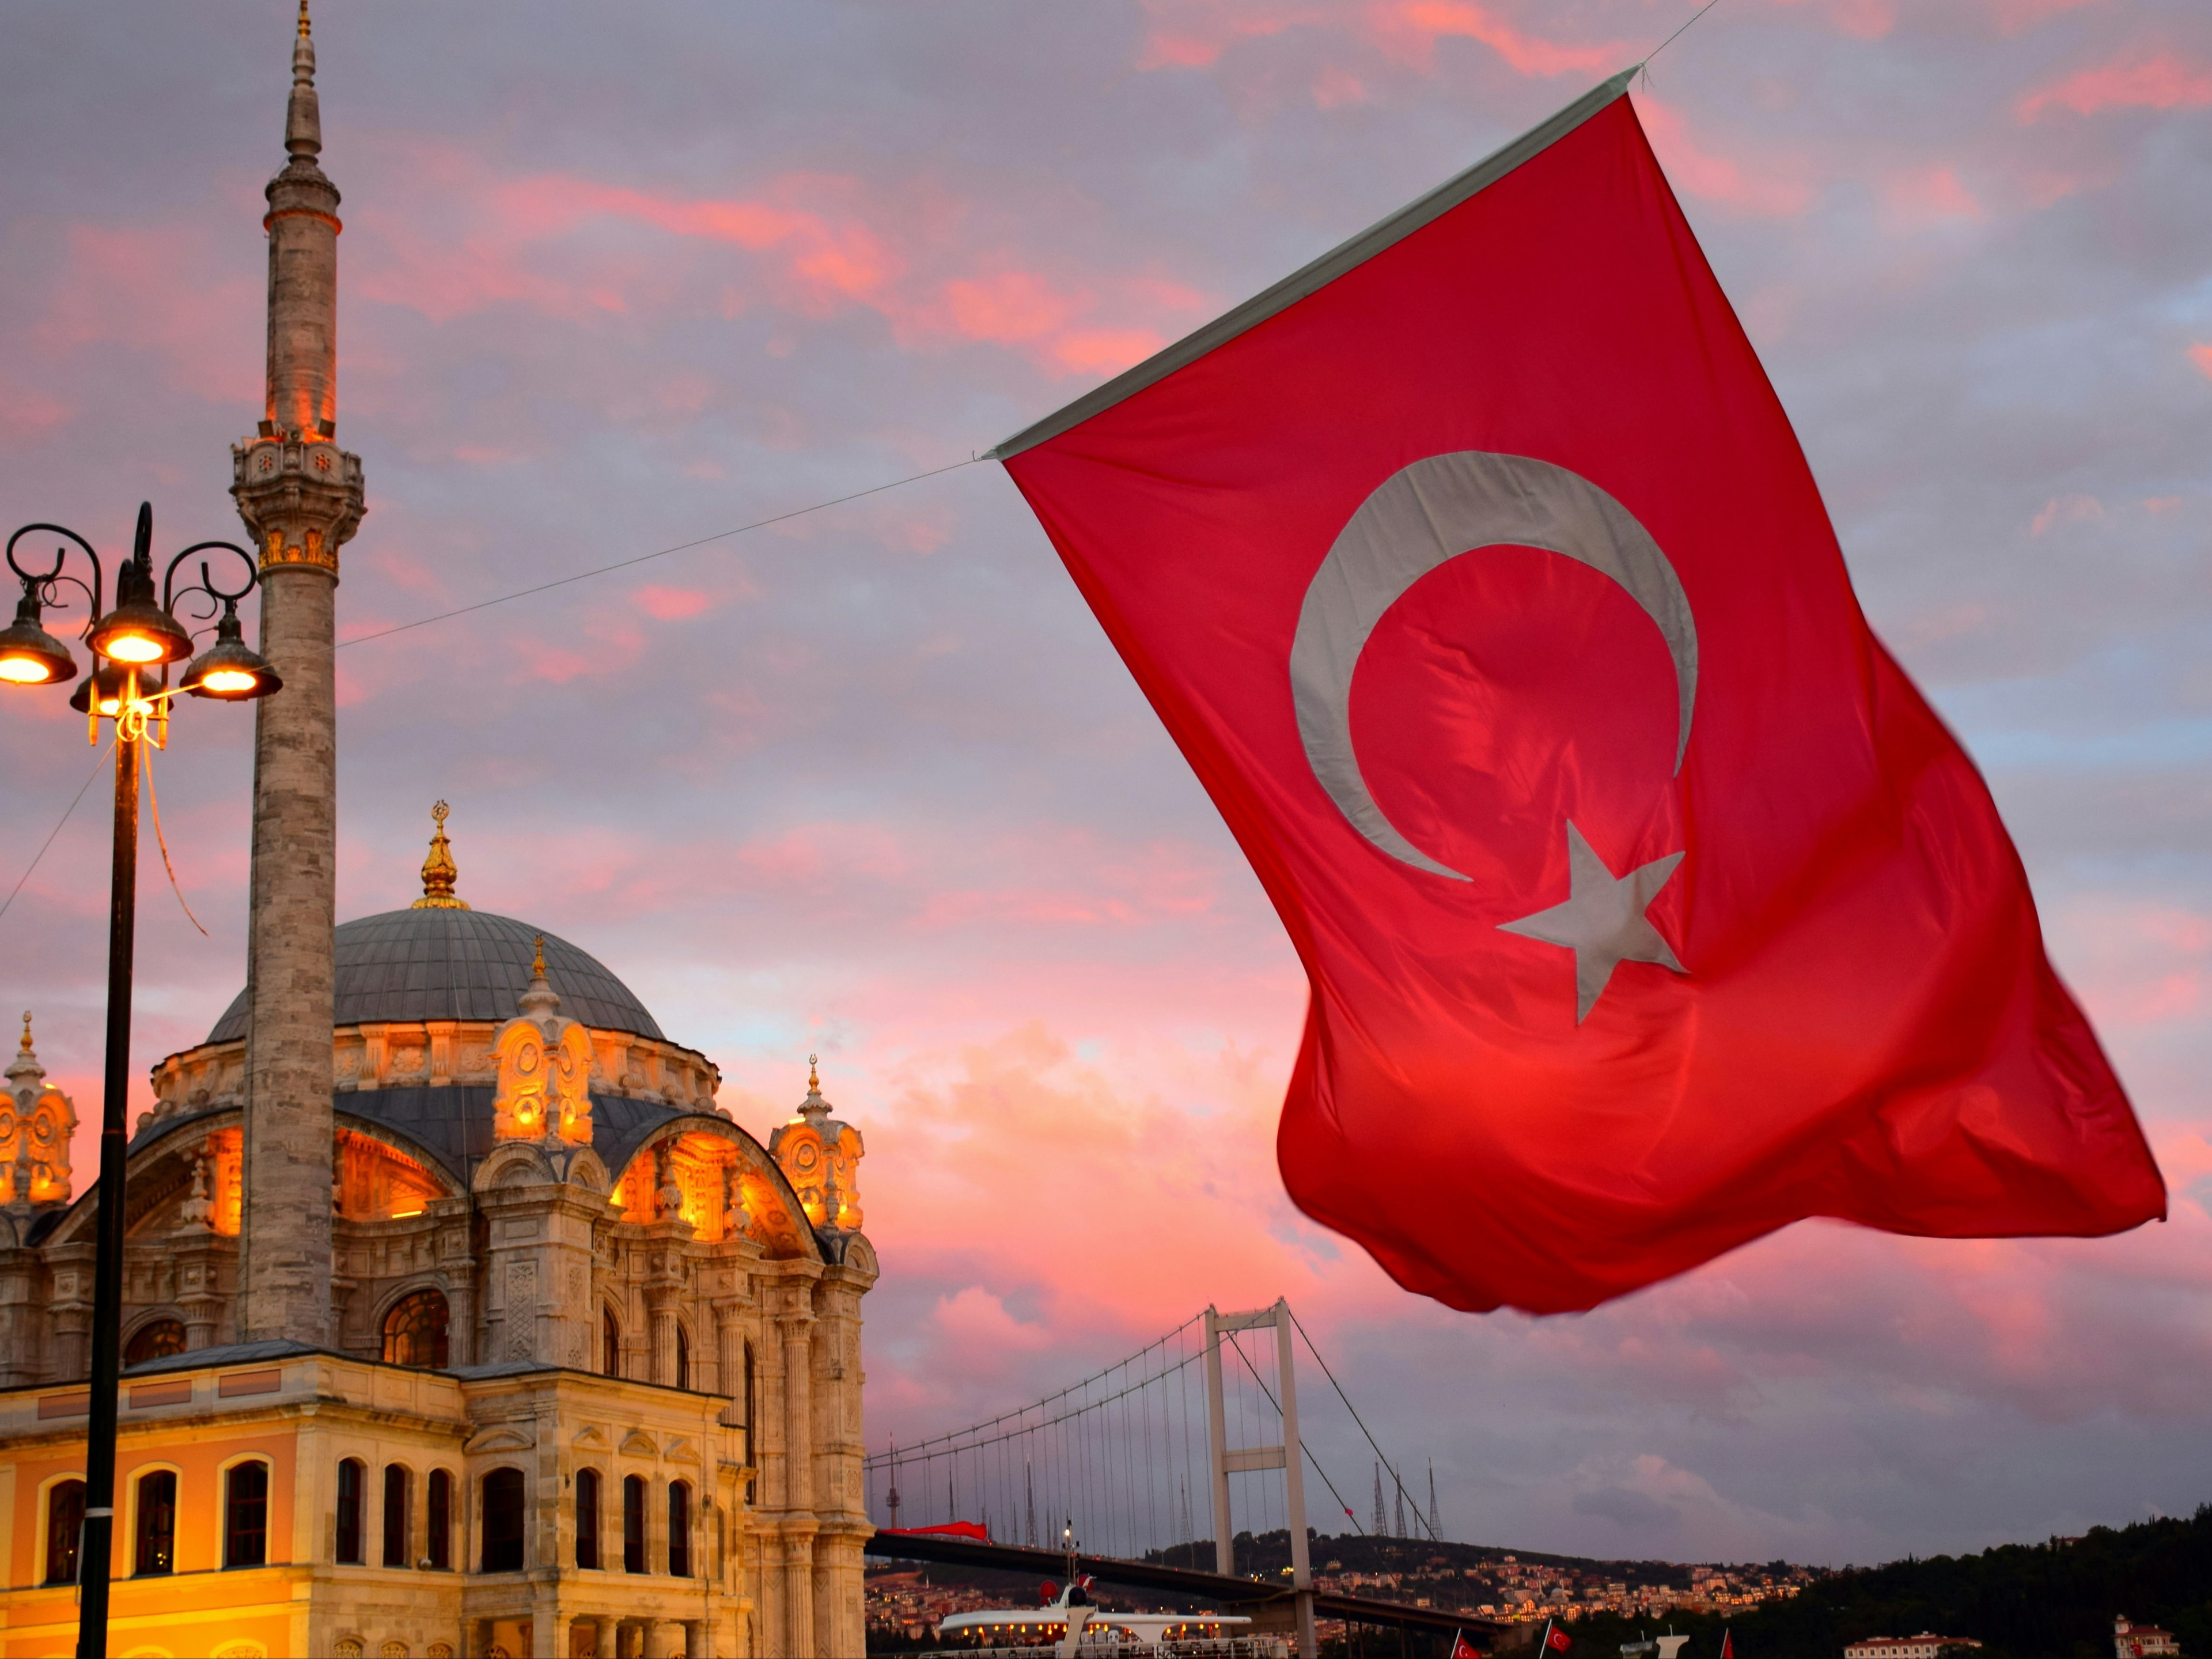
(1557,1639)
(1463,1649)
(1647,906)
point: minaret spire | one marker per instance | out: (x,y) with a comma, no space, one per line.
(303,118)
(301,497)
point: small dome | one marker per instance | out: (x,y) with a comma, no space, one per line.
(460,964)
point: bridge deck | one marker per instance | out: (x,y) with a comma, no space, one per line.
(1247,1595)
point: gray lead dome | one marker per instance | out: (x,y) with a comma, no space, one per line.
(460,964)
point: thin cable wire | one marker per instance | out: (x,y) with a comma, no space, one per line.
(57,829)
(1646,64)
(154,802)
(1349,1407)
(644,558)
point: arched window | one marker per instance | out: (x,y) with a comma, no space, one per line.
(415,1331)
(438,1545)
(502,1520)
(634,1523)
(680,1530)
(157,1339)
(246,1515)
(352,1475)
(65,1529)
(156,1524)
(610,1343)
(587,1517)
(683,1358)
(398,1494)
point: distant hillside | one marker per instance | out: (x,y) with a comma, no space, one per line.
(2054,1601)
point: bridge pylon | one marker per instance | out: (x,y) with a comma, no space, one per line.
(1288,1455)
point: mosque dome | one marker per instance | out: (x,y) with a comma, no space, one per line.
(440,963)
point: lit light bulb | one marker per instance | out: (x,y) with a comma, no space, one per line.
(133,647)
(221,681)
(24,671)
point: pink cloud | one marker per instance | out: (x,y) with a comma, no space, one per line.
(2162,81)
(2201,357)
(159,289)
(2065,509)
(671,603)
(1414,26)
(1766,187)
(1929,195)
(1193,33)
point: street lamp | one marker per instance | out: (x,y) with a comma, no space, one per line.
(129,642)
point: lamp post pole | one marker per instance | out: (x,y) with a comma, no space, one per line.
(141,633)
(96,1558)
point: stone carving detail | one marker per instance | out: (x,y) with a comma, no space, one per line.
(521,1308)
(36,1122)
(544,1062)
(819,1155)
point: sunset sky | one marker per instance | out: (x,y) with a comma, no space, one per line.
(871,783)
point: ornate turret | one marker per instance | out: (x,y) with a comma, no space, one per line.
(543,1061)
(36,1122)
(439,870)
(301,497)
(819,1155)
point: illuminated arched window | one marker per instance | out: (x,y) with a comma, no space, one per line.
(157,1339)
(246,1515)
(610,1343)
(587,1517)
(415,1331)
(352,1475)
(634,1523)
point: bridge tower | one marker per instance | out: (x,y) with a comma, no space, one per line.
(1289,1456)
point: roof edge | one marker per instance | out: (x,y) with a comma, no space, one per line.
(1311,278)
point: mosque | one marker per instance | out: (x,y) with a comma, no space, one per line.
(458,1319)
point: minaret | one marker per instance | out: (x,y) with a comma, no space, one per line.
(301,496)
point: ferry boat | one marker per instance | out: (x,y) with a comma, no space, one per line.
(1070,1626)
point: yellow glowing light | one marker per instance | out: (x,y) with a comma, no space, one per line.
(403,1215)
(24,671)
(224,679)
(133,647)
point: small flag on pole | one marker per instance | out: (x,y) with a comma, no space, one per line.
(1461,1648)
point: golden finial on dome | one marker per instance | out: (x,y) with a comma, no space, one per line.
(26,1030)
(813,1071)
(303,20)
(439,870)
(537,962)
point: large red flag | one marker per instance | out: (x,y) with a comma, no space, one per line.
(1647,907)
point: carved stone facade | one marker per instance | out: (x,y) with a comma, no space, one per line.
(631,1293)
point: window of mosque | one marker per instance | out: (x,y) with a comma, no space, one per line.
(683,1358)
(156,1524)
(610,1343)
(157,1339)
(750,1460)
(351,1472)
(65,1529)
(438,1529)
(246,1515)
(680,1530)
(502,1520)
(415,1331)
(634,1523)
(587,1517)
(397,1494)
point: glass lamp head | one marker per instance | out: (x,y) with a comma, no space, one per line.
(28,655)
(231,670)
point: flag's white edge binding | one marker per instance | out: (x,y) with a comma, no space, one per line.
(1345,256)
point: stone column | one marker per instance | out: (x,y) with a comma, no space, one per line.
(301,497)
(67,1358)
(602,1637)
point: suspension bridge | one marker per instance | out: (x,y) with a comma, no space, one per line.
(1155,1473)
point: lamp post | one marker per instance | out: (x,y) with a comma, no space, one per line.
(129,643)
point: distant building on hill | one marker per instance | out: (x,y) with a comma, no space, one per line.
(2142,1641)
(1926,1645)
